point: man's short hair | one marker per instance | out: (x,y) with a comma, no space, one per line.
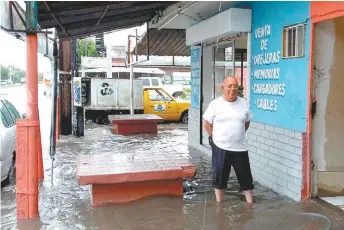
(228,77)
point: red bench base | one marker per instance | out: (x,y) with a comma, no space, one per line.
(134,128)
(134,124)
(126,192)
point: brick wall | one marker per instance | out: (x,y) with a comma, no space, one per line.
(194,132)
(276,158)
(275,155)
(193,127)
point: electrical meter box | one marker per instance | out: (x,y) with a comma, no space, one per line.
(82,91)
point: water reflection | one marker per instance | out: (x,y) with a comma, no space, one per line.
(66,205)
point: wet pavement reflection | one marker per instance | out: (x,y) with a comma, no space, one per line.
(66,205)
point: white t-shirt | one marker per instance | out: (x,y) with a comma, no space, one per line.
(228,120)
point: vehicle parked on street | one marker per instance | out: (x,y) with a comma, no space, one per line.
(112,96)
(9,116)
(158,101)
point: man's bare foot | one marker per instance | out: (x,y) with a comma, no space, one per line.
(249,196)
(219,193)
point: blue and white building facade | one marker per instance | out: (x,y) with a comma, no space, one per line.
(278,92)
(278,39)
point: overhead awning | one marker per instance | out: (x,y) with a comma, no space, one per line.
(75,19)
(231,23)
(164,42)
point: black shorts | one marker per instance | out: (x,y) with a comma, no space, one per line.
(222,160)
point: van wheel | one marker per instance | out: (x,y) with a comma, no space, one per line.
(185,117)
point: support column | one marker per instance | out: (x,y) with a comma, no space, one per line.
(65,87)
(78,118)
(131,89)
(54,128)
(27,129)
(248,61)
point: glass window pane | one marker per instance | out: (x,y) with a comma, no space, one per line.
(222,66)
(285,42)
(294,42)
(290,42)
(145,82)
(155,82)
(301,40)
(155,96)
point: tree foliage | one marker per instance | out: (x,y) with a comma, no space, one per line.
(11,73)
(89,52)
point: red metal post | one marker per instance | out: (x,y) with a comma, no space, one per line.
(27,129)
(27,144)
(26,169)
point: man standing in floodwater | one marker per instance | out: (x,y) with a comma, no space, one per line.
(226,121)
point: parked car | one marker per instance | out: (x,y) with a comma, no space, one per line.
(158,101)
(9,116)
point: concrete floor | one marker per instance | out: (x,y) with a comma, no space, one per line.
(66,205)
(338,201)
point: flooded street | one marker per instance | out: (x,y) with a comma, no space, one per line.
(64,204)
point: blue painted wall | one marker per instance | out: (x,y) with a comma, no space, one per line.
(195,76)
(290,112)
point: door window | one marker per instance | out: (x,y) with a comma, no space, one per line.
(157,95)
(14,113)
(155,82)
(6,116)
(145,81)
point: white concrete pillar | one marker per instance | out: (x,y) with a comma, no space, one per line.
(248,84)
(108,61)
(131,89)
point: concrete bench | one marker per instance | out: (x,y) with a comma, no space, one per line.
(121,178)
(134,124)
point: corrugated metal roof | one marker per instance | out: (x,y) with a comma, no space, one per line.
(80,19)
(172,42)
(164,42)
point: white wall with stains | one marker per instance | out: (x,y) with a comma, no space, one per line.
(328,122)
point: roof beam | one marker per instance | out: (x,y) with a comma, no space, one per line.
(111,19)
(100,19)
(56,19)
(49,23)
(98,31)
(63,6)
(112,25)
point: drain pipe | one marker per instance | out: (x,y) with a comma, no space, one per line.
(53,110)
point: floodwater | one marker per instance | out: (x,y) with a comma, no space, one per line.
(63,204)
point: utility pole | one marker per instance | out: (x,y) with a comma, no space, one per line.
(27,129)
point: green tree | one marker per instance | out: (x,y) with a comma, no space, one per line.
(4,75)
(91,49)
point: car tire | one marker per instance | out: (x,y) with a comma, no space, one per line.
(185,117)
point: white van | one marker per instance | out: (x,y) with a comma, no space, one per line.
(151,81)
